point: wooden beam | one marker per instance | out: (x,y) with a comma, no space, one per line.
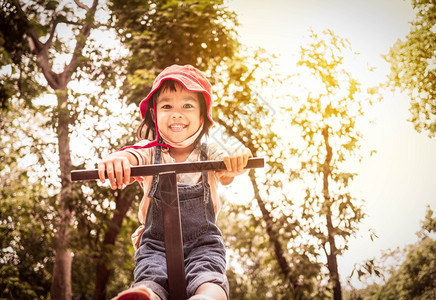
(173,236)
(148,170)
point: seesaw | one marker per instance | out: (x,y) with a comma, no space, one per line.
(170,210)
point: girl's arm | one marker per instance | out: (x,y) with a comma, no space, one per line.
(117,166)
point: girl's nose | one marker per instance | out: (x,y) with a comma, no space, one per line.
(176,115)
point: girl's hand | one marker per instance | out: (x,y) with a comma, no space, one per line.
(117,166)
(235,163)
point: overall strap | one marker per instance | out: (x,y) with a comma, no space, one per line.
(203,151)
(203,157)
(157,155)
(157,160)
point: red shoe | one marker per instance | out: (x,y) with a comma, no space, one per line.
(136,293)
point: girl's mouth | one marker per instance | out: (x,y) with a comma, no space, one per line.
(177,127)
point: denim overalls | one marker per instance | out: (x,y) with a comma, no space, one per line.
(204,252)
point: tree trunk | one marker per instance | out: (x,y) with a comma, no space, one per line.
(61,276)
(272,233)
(102,278)
(332,263)
(103,269)
(274,239)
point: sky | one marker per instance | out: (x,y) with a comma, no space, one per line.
(398,182)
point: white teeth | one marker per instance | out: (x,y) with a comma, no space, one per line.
(178,127)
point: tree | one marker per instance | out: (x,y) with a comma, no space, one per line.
(35,25)
(262,233)
(101,238)
(415,278)
(25,221)
(413,66)
(28,213)
(161,33)
(325,111)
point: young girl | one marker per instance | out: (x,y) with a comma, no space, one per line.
(176,114)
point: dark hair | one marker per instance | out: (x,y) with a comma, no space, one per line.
(147,128)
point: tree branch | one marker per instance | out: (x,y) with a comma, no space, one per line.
(39,49)
(47,44)
(80,41)
(41,52)
(82,5)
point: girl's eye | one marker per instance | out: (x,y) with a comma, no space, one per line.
(188,105)
(166,106)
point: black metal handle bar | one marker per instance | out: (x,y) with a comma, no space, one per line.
(147,170)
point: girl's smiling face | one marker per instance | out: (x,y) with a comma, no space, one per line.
(178,114)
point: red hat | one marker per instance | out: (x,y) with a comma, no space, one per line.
(191,78)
